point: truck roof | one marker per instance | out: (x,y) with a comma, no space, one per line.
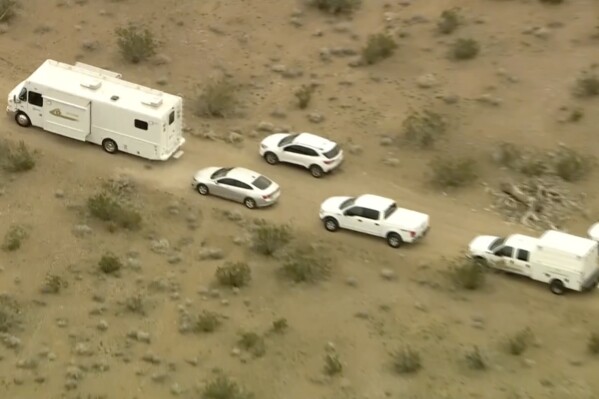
(522,241)
(375,202)
(559,240)
(98,84)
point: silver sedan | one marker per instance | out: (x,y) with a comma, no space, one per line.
(237,184)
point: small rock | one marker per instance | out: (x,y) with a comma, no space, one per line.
(391,161)
(351,281)
(162,59)
(278,68)
(176,389)
(235,352)
(541,33)
(427,80)
(211,254)
(160,246)
(386,141)
(325,54)
(278,113)
(388,274)
(296,21)
(315,117)
(143,336)
(489,100)
(355,149)
(82,230)
(83,350)
(59,194)
(234,138)
(102,325)
(175,258)
(265,127)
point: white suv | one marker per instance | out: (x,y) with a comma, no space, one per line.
(315,153)
(374,215)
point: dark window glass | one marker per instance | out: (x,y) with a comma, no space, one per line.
(143,125)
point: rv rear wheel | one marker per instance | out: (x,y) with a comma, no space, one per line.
(22,119)
(109,146)
(557,287)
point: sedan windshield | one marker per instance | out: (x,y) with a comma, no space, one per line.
(347,203)
(288,139)
(222,172)
(261,183)
(392,208)
(496,243)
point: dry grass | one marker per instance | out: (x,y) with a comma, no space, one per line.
(223,387)
(110,264)
(136,44)
(449,21)
(423,129)
(237,274)
(332,364)
(252,343)
(16,158)
(467,273)
(10,314)
(453,172)
(593,344)
(216,99)
(464,49)
(407,361)
(207,322)
(520,342)
(53,284)
(587,86)
(108,208)
(304,96)
(306,264)
(336,6)
(7,10)
(268,239)
(14,237)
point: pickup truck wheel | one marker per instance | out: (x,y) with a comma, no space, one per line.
(394,240)
(202,189)
(331,224)
(271,158)
(22,119)
(316,171)
(109,146)
(557,287)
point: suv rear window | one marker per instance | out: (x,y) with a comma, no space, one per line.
(332,153)
(261,183)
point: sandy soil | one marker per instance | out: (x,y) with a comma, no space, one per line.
(78,343)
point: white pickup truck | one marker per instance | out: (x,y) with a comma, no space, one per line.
(374,215)
(562,260)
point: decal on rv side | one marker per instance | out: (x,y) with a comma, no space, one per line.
(57,112)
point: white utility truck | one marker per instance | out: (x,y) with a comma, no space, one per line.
(562,260)
(87,103)
(594,232)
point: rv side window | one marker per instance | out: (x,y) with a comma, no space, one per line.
(141,124)
(171,118)
(523,255)
(36,99)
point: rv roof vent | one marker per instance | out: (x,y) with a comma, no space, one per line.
(93,84)
(152,101)
(114,98)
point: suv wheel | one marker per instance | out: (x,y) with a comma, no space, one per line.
(271,158)
(316,171)
(331,224)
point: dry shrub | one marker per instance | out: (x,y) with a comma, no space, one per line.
(107,208)
(7,10)
(378,47)
(223,387)
(10,314)
(236,274)
(553,2)
(280,325)
(407,361)
(252,343)
(587,86)
(467,273)
(475,360)
(110,263)
(453,172)
(593,344)
(332,364)
(519,342)
(449,21)
(423,129)
(216,99)
(53,284)
(268,239)
(464,49)
(136,44)
(14,238)
(207,322)
(336,6)
(304,96)
(306,264)
(16,158)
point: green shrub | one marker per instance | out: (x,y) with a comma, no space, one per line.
(406,361)
(107,208)
(332,364)
(378,47)
(304,96)
(519,342)
(464,49)
(423,129)
(16,158)
(236,274)
(222,387)
(475,359)
(306,264)
(336,6)
(14,238)
(467,274)
(252,343)
(207,322)
(110,263)
(7,10)
(136,44)
(216,99)
(267,238)
(449,21)
(453,172)
(593,345)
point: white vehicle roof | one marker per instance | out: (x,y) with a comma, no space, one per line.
(243,174)
(578,246)
(314,141)
(521,241)
(374,202)
(97,84)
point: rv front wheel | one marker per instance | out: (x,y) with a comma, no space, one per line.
(109,146)
(22,119)
(557,287)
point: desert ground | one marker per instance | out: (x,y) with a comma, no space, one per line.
(381,322)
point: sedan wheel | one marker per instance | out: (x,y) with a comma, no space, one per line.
(249,203)
(331,224)
(202,189)
(271,158)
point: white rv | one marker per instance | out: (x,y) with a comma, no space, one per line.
(87,103)
(562,260)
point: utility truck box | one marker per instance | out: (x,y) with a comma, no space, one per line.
(88,103)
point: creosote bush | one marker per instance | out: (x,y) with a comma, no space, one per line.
(467,273)
(406,361)
(587,86)
(378,47)
(109,209)
(10,314)
(234,274)
(475,360)
(453,172)
(268,238)
(110,263)
(53,284)
(449,21)
(593,344)
(304,96)
(252,343)
(464,49)
(336,6)
(223,387)
(423,129)
(306,264)
(216,99)
(280,325)
(16,158)
(7,10)
(14,238)
(136,44)
(207,322)
(519,342)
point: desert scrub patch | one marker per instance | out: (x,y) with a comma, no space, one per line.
(306,264)
(303,95)
(464,49)
(252,343)
(378,47)
(449,21)
(467,273)
(593,344)
(216,99)
(332,364)
(475,360)
(551,1)
(10,314)
(8,10)
(207,322)
(280,325)
(136,44)
(406,361)
(423,129)
(223,387)
(135,304)
(453,172)
(110,264)
(16,158)
(518,343)
(234,274)
(108,208)
(336,6)
(587,85)
(14,237)
(268,238)
(53,284)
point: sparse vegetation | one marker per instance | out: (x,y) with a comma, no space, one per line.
(268,238)
(378,47)
(407,361)
(467,273)
(280,325)
(332,364)
(587,85)
(53,284)
(423,129)
(135,304)
(216,99)
(453,172)
(449,21)
(207,322)
(336,6)
(475,360)
(593,344)
(136,44)
(237,274)
(305,263)
(552,1)
(110,263)
(304,96)
(464,49)
(14,238)
(10,314)
(252,343)
(108,208)
(7,10)
(519,342)
(16,158)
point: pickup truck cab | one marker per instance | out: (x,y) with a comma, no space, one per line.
(374,215)
(511,254)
